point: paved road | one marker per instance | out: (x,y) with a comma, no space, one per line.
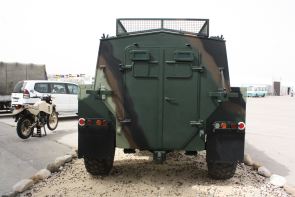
(270,134)
(22,158)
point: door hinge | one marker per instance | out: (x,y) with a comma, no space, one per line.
(197,123)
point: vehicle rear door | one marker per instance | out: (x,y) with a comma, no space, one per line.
(162,95)
(143,83)
(181,82)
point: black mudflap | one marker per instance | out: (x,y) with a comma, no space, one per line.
(225,146)
(96,142)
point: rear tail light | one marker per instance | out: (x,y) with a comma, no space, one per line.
(89,122)
(241,125)
(229,125)
(81,122)
(99,122)
(220,125)
(216,125)
(223,125)
(234,125)
(26,94)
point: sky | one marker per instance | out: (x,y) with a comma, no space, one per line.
(64,34)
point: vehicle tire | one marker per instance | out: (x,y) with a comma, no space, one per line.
(52,120)
(22,128)
(221,170)
(98,167)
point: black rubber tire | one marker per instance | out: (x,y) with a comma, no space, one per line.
(48,121)
(98,167)
(19,127)
(221,170)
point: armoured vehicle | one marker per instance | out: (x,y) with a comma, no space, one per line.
(162,85)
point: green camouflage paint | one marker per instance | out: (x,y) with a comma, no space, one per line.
(162,90)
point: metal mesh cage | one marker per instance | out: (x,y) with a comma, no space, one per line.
(192,26)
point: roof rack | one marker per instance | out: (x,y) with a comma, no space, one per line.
(127,26)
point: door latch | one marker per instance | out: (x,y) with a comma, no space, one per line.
(197,123)
(169,99)
(122,67)
(198,68)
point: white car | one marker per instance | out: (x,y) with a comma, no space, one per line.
(64,94)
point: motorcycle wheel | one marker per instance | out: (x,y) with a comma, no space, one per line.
(52,121)
(23,128)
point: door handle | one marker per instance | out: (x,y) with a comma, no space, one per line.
(168,99)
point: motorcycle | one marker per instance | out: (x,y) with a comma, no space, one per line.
(31,116)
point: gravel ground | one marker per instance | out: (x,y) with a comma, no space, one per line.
(137,175)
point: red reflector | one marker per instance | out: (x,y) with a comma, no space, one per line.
(241,126)
(223,125)
(81,122)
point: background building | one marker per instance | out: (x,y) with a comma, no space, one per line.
(73,78)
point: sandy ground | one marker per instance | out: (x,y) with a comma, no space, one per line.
(137,175)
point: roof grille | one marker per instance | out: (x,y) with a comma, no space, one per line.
(126,26)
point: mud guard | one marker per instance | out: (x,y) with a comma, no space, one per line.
(96,142)
(226,146)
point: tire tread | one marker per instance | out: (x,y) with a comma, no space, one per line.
(18,128)
(221,170)
(98,167)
